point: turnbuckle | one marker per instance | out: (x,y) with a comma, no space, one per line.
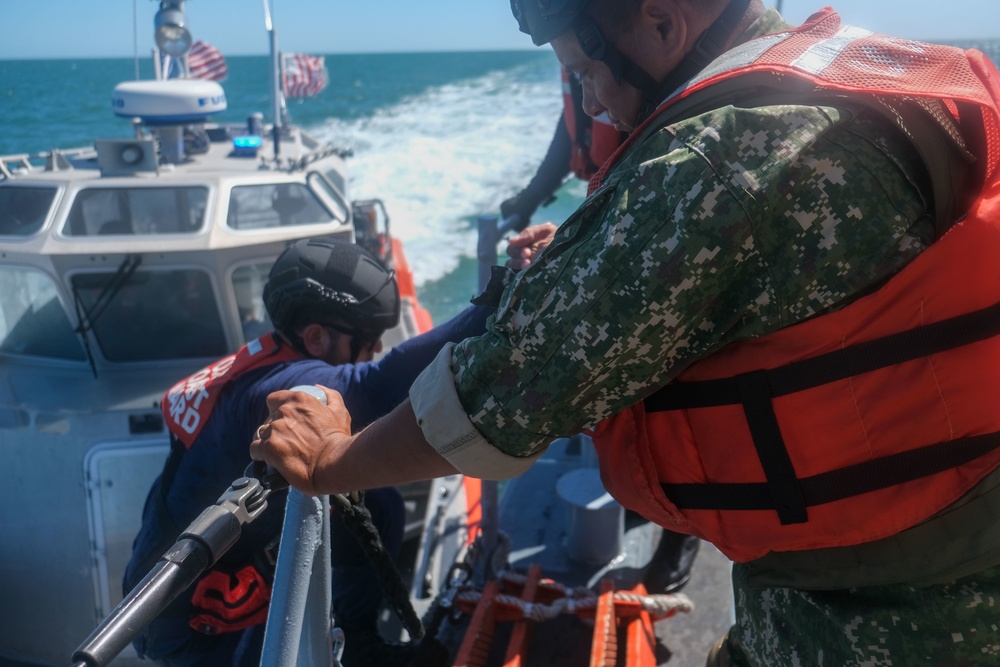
(269,478)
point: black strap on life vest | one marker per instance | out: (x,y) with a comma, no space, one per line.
(784,492)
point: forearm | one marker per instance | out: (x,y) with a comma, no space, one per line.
(390,451)
(310,444)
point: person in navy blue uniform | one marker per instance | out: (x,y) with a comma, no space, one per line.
(329,303)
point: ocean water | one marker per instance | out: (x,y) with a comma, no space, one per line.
(441,137)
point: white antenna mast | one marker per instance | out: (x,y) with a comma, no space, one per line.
(135,36)
(276,98)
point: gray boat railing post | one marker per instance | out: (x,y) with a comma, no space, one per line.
(299,628)
(491,232)
(486,248)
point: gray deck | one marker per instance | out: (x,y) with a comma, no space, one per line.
(536,520)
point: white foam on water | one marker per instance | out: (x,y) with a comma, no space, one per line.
(450,154)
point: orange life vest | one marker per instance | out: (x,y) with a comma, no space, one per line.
(862,422)
(593,141)
(224,599)
(188,404)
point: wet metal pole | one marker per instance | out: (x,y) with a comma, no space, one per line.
(297,633)
(491,232)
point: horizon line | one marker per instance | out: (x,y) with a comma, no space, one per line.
(149,56)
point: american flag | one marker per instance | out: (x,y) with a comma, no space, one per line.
(205,62)
(304,76)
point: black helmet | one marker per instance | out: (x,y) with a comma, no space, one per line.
(545,20)
(334,283)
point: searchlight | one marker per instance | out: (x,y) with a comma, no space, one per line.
(172,35)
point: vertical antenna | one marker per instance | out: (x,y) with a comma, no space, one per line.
(135,36)
(275,83)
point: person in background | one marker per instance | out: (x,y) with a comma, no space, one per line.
(580,145)
(329,302)
(777,310)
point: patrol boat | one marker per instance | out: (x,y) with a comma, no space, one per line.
(123,267)
(127,265)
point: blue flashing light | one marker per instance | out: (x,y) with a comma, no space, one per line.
(247,146)
(251,142)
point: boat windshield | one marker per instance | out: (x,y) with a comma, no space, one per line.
(134,211)
(33,321)
(248,285)
(155,315)
(23,210)
(276,205)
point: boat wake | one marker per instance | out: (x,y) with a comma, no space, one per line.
(443,156)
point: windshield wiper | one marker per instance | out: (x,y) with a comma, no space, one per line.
(88,318)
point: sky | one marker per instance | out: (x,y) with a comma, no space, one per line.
(32,29)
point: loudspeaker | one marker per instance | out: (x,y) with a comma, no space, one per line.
(122,157)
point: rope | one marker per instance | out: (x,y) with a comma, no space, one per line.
(550,586)
(358,520)
(579,601)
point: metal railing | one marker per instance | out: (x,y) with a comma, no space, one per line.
(54,160)
(299,628)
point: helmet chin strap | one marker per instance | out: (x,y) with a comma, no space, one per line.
(708,47)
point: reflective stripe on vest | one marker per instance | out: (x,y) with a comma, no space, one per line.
(846,59)
(189,403)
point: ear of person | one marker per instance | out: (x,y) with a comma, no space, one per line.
(314,338)
(664,34)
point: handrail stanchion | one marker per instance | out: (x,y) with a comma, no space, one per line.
(490,528)
(489,236)
(491,232)
(299,630)
(486,248)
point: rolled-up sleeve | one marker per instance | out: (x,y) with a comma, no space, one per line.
(447,428)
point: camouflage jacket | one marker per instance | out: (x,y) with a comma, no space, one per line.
(725,226)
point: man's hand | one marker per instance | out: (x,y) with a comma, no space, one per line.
(303,437)
(524,248)
(311,446)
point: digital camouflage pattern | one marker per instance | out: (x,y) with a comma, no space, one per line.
(723,227)
(726,226)
(957,625)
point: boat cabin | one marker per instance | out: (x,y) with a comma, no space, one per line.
(124,267)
